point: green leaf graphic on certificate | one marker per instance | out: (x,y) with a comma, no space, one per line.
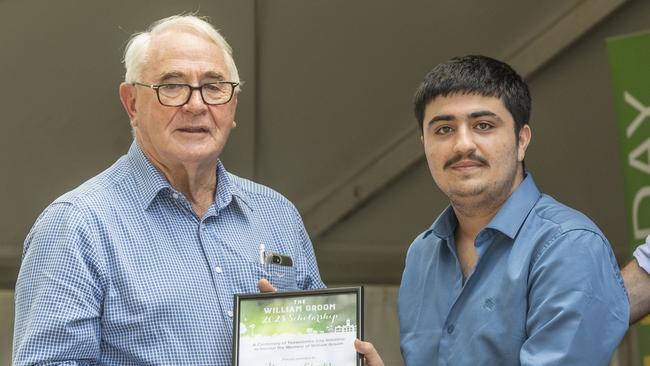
(315,314)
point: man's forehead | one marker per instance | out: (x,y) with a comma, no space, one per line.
(466,103)
(466,107)
(182,54)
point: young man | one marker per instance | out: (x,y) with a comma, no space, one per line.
(506,275)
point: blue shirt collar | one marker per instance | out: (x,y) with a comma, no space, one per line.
(151,182)
(226,190)
(509,218)
(517,207)
(147,177)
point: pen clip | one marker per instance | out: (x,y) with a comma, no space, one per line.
(262,254)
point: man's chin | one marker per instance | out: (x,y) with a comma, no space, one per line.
(466,189)
(197,154)
(470,193)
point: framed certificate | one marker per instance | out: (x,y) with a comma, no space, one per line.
(315,328)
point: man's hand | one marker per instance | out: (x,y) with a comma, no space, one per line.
(265,286)
(369,352)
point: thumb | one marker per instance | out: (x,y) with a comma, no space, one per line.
(265,286)
(369,352)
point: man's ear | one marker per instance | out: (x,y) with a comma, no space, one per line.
(234,100)
(525,134)
(127,97)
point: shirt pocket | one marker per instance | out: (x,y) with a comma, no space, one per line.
(283,278)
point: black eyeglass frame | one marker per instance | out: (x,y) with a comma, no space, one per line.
(157,87)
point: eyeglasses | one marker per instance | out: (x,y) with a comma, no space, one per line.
(176,95)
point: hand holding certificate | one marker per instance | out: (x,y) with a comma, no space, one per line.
(306,328)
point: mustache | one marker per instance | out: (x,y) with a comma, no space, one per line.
(472,157)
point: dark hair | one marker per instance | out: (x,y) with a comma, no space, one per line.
(476,75)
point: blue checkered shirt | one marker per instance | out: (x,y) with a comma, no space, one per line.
(120,271)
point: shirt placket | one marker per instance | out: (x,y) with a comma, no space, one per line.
(213,251)
(449,333)
(447,336)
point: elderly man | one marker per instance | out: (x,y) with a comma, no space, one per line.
(506,275)
(139,264)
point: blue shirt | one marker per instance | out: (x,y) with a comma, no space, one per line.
(121,271)
(546,290)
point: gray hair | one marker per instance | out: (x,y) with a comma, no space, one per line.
(138,46)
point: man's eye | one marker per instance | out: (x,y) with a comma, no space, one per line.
(171,87)
(443,130)
(212,87)
(483,126)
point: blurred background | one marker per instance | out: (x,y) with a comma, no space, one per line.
(325,116)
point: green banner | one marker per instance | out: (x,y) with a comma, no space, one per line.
(629,59)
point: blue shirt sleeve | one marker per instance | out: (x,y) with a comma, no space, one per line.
(576,315)
(59,292)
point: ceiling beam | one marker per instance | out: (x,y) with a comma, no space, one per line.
(341,198)
(567,29)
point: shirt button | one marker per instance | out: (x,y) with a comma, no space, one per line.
(175,195)
(218,269)
(450,328)
(229,313)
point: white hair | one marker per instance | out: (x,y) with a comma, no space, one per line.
(136,50)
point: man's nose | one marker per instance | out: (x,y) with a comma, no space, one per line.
(464,142)
(195,104)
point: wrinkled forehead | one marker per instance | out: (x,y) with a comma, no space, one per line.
(184,52)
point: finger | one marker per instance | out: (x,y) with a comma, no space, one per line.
(265,286)
(369,352)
